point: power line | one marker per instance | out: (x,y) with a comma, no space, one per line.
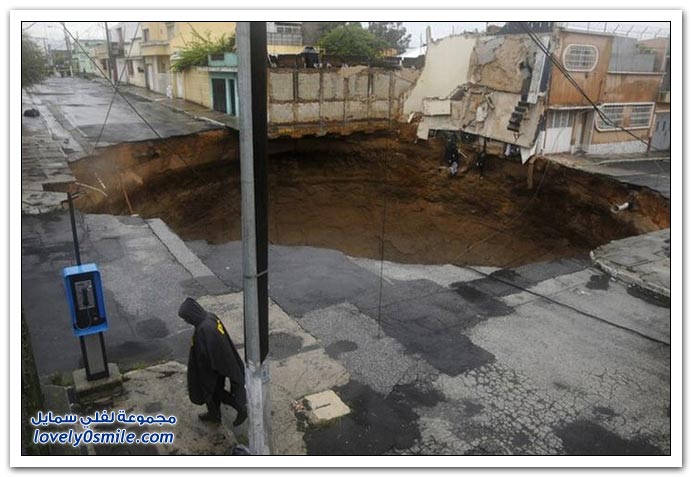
(115,91)
(110,81)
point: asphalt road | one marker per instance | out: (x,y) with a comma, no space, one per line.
(454,361)
(81,107)
(457,362)
(649,172)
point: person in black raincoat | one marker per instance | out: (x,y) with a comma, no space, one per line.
(452,156)
(213,358)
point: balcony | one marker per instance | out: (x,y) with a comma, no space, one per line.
(154,48)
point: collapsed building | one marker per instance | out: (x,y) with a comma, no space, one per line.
(501,91)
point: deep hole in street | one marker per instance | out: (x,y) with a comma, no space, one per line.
(335,192)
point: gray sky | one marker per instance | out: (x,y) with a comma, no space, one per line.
(52,31)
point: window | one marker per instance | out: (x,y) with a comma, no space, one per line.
(559,119)
(163,64)
(640,116)
(637,114)
(130,68)
(615,114)
(145,34)
(580,57)
(288,28)
(170,29)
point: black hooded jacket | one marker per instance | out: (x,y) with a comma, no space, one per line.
(212,353)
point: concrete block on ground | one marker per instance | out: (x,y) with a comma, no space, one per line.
(642,260)
(91,391)
(324,407)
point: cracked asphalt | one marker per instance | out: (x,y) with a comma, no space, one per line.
(546,359)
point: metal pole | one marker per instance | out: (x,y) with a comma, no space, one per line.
(108,49)
(251,40)
(75,239)
(68,46)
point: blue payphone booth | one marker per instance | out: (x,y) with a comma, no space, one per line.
(85,299)
(87,306)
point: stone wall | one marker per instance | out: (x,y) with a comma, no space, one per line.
(322,101)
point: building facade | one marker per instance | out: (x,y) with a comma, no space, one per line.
(618,74)
(504,90)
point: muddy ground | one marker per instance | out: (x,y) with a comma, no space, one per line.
(348,193)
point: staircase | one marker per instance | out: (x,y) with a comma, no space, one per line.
(518,116)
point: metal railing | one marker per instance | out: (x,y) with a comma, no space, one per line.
(631,30)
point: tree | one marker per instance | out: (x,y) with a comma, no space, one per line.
(392,33)
(352,40)
(313,31)
(33,62)
(196,52)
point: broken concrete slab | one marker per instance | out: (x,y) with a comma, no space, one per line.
(650,267)
(88,392)
(324,407)
(162,389)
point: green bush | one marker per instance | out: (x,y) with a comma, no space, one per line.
(33,62)
(352,40)
(196,52)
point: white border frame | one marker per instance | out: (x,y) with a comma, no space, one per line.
(429,13)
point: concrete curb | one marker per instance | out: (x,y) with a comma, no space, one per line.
(629,277)
(177,109)
(190,262)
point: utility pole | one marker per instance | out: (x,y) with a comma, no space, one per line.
(112,67)
(251,40)
(68,46)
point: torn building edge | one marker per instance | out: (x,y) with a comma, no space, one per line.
(498,90)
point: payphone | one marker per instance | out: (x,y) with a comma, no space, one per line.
(87,306)
(85,299)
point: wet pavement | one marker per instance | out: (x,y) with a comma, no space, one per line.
(643,261)
(44,161)
(81,106)
(639,169)
(494,362)
(456,360)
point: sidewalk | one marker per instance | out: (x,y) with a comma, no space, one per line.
(652,171)
(643,261)
(193,110)
(45,173)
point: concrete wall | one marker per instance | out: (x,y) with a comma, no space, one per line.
(631,88)
(562,92)
(184,32)
(486,114)
(446,67)
(344,100)
(137,77)
(196,85)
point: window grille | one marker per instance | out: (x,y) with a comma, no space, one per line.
(580,57)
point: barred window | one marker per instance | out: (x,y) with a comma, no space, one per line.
(288,28)
(559,119)
(615,115)
(580,57)
(640,116)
